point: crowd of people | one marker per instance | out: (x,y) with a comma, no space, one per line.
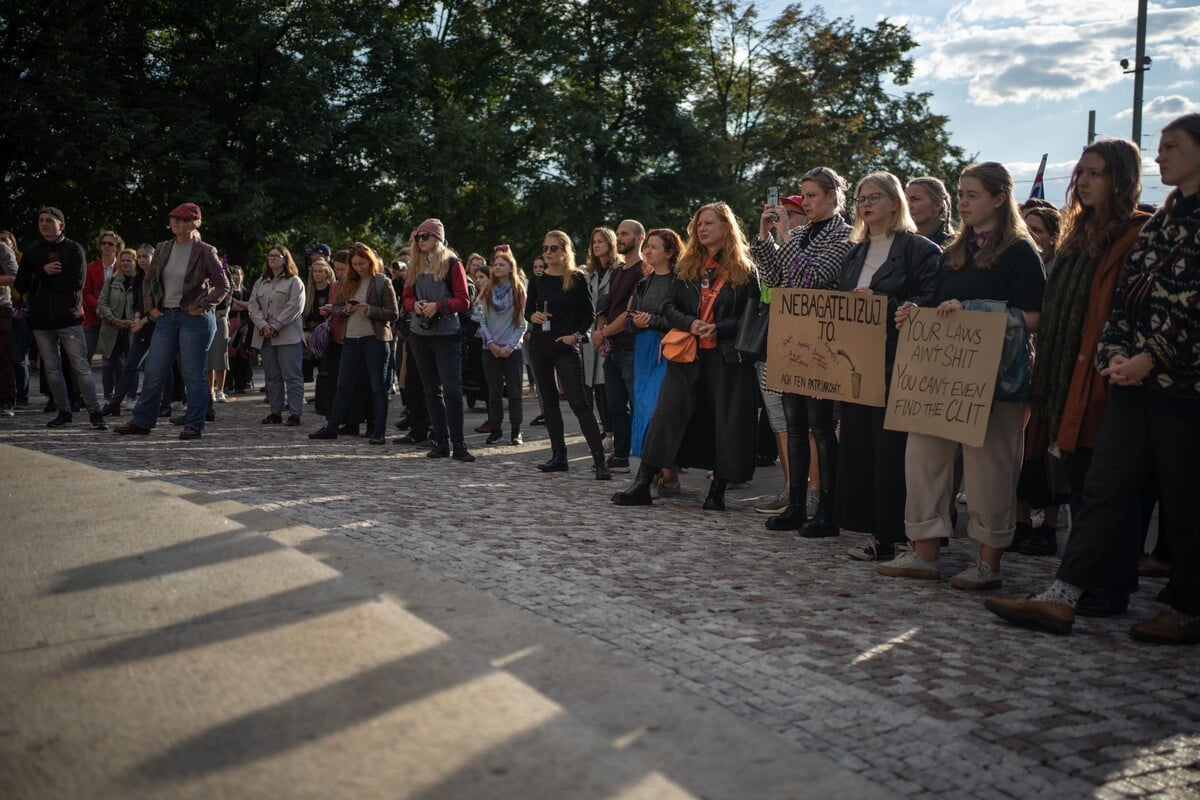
(642,340)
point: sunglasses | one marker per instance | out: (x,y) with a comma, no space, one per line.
(551,248)
(421,237)
(108,244)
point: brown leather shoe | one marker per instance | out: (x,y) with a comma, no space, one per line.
(1151,567)
(1165,628)
(1055,618)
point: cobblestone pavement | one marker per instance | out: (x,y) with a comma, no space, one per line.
(910,683)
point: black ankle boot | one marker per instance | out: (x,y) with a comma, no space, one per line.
(600,467)
(822,525)
(639,493)
(795,515)
(716,494)
(557,463)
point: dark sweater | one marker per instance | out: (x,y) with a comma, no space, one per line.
(55,301)
(620,288)
(570,312)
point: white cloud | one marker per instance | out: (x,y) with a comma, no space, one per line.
(1163,107)
(1015,51)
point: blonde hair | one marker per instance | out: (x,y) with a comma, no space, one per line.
(564,241)
(436,262)
(1010,227)
(939,194)
(734,262)
(889,185)
(319,264)
(515,276)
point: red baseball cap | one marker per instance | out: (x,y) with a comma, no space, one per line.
(793,200)
(188,212)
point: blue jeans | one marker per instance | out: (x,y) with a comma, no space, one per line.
(439,360)
(177,333)
(359,353)
(283,365)
(73,343)
(21,337)
(618,390)
(139,345)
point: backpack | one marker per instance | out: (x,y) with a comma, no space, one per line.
(1014,380)
(468,326)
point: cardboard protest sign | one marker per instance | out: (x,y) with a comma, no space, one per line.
(829,345)
(945,374)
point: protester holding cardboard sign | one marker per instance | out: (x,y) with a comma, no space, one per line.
(705,416)
(890,259)
(992,259)
(811,259)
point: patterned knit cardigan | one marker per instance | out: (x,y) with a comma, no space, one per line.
(827,250)
(1168,328)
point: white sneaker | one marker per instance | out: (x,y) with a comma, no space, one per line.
(909,565)
(221,398)
(774,505)
(976,577)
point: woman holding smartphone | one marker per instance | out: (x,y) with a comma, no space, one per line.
(561,311)
(366,302)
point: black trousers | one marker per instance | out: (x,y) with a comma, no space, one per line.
(1137,437)
(505,377)
(871,475)
(548,357)
(805,415)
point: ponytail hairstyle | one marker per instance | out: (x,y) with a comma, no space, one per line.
(829,181)
(940,195)
(1189,124)
(1093,229)
(997,181)
(734,262)
(515,276)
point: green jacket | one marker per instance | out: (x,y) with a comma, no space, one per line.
(116,302)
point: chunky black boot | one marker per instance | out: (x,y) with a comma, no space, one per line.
(639,493)
(822,525)
(557,463)
(600,467)
(795,515)
(716,494)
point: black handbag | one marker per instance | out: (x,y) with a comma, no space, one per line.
(751,339)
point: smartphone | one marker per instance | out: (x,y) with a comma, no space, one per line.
(773,200)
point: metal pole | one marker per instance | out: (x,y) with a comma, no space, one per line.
(1091,127)
(1139,71)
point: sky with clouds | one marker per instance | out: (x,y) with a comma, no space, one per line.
(1018,77)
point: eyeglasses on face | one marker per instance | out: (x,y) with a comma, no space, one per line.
(274,256)
(551,248)
(421,237)
(868,199)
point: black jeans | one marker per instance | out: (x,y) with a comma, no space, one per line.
(548,357)
(805,414)
(504,379)
(439,360)
(1136,438)
(618,391)
(363,355)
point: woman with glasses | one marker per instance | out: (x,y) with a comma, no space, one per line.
(366,303)
(891,260)
(117,307)
(436,294)
(810,259)
(706,411)
(276,308)
(560,309)
(993,258)
(98,274)
(929,206)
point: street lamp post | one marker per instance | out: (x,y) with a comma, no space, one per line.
(1141,63)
